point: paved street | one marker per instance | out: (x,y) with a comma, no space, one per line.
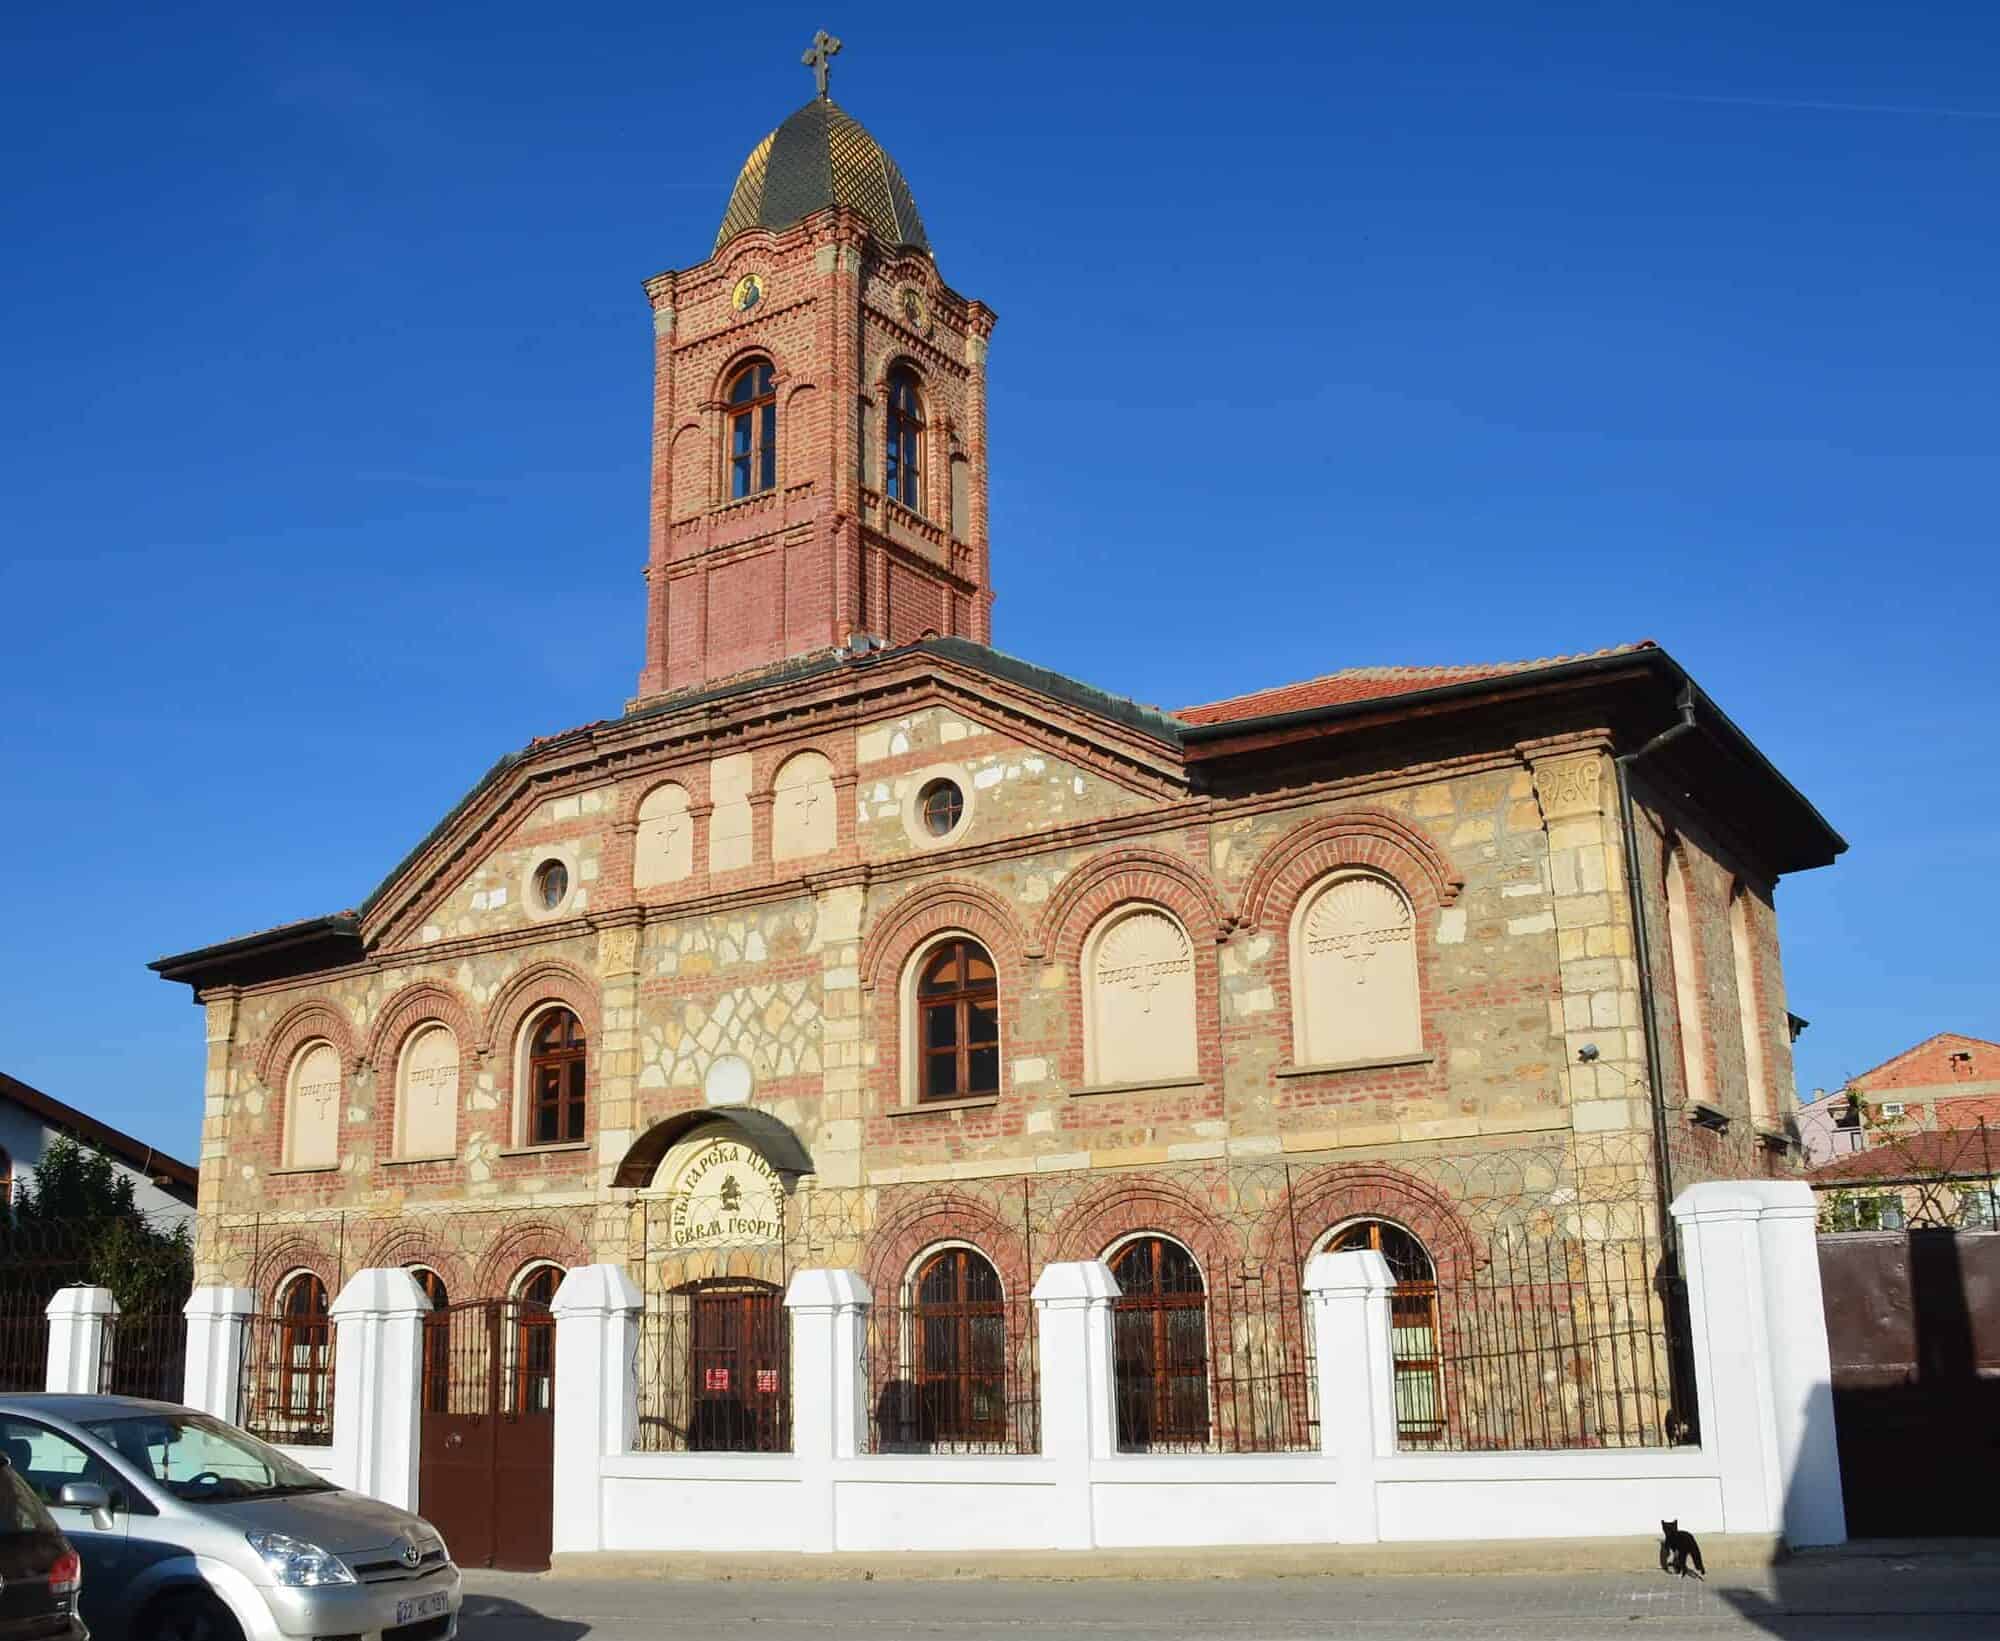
(1915,1600)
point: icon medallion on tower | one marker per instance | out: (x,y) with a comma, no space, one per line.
(748,293)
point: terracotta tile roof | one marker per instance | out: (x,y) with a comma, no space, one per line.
(1375,683)
(1927,1155)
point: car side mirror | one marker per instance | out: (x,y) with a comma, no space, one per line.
(87,1495)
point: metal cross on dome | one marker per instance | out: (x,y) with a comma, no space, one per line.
(819,58)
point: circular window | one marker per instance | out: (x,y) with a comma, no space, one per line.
(941,805)
(551,884)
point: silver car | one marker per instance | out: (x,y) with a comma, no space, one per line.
(193,1530)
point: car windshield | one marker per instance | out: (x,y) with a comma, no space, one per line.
(195,1457)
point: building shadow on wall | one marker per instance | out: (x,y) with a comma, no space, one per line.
(499,1618)
(1913,1323)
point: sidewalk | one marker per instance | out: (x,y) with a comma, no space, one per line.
(1724,1552)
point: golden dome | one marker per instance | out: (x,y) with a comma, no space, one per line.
(822,156)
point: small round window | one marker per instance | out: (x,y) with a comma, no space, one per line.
(551,884)
(941,806)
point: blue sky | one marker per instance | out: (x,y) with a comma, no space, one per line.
(1414,334)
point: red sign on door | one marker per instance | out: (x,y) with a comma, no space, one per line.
(767,1381)
(717,1378)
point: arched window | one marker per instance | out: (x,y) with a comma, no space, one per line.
(958,1346)
(1159,1345)
(305,1359)
(1139,1018)
(1687,998)
(1413,1323)
(427,1093)
(958,1023)
(556,1056)
(532,1369)
(752,397)
(437,1341)
(1743,945)
(1354,973)
(312,1107)
(903,449)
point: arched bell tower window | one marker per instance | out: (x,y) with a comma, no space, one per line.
(752,398)
(903,449)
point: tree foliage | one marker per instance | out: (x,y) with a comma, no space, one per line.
(76,1219)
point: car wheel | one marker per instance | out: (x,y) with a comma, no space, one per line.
(192,1615)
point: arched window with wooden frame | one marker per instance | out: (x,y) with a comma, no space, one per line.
(1159,1345)
(531,1375)
(958,1348)
(557,1072)
(436,1382)
(1413,1324)
(958,1022)
(305,1359)
(752,401)
(903,445)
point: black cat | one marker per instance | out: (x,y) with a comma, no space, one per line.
(1678,1551)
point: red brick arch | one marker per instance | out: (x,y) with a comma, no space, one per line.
(1140,1203)
(298,1025)
(1345,1191)
(293,1252)
(546,981)
(1357,837)
(412,1242)
(946,1216)
(414,1005)
(1093,889)
(950,903)
(522,1243)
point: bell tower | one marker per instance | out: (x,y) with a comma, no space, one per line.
(819,419)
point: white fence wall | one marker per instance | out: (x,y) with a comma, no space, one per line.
(1766,1463)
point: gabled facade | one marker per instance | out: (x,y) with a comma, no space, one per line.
(854,940)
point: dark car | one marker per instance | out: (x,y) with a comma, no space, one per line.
(40,1573)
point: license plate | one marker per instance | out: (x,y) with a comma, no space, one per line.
(411,1609)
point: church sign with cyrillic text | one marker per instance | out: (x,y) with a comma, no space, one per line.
(723,1192)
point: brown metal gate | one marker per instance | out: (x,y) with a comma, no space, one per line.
(1913,1326)
(486,1470)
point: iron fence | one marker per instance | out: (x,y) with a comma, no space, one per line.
(286,1392)
(715,1360)
(952,1374)
(147,1354)
(146,1260)
(1536,1303)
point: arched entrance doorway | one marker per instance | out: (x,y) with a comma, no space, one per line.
(718,1224)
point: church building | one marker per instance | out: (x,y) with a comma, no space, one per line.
(855,940)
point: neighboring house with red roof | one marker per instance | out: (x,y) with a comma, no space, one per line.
(1913,1141)
(1949,1080)
(30,1119)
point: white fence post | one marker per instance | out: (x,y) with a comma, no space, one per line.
(378,1344)
(1722,1258)
(1079,1398)
(218,1319)
(829,1311)
(82,1321)
(1354,1361)
(597,1394)
(1801,1364)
